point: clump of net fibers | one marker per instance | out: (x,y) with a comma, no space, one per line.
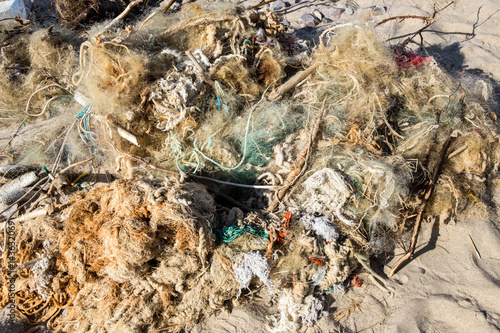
(296,311)
(249,265)
(128,256)
(321,225)
(110,77)
(327,191)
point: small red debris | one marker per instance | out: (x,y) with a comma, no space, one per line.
(284,228)
(356,281)
(317,261)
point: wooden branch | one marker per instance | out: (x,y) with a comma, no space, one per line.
(66,169)
(428,22)
(418,222)
(428,19)
(300,164)
(291,83)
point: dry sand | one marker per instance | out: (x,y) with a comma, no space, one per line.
(446,287)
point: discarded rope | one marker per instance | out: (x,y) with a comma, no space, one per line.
(229,234)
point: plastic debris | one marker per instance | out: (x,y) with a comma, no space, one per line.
(229,234)
(327,190)
(22,181)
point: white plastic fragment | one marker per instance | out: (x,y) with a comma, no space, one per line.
(252,264)
(81,99)
(127,136)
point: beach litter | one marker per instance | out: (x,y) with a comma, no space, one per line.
(163,167)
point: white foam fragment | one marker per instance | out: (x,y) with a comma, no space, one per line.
(127,136)
(81,99)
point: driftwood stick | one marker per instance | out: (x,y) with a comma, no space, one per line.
(167,6)
(427,19)
(299,165)
(291,83)
(418,222)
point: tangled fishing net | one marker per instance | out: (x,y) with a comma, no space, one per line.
(346,152)
(122,253)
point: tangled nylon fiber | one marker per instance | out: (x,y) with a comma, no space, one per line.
(249,265)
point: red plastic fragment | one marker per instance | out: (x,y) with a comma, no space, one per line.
(407,58)
(285,225)
(317,261)
(356,281)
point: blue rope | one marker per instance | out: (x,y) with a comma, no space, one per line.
(229,234)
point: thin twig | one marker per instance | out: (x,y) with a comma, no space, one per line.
(260,4)
(257,187)
(177,174)
(151,166)
(456,152)
(474,246)
(75,164)
(58,158)
(418,222)
(292,82)
(428,22)
(402,17)
(200,69)
(168,6)
(66,169)
(119,17)
(300,164)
